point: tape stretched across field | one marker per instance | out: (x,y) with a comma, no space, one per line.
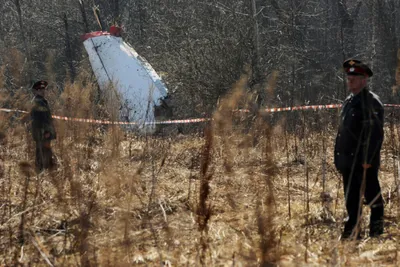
(196,120)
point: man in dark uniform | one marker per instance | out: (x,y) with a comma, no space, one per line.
(42,127)
(357,150)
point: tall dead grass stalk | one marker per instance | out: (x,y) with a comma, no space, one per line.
(289,202)
(266,218)
(204,210)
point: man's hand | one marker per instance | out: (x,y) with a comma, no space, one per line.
(367,166)
(47,135)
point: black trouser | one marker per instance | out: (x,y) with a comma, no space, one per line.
(44,156)
(352,186)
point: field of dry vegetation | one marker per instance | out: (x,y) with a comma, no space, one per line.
(258,190)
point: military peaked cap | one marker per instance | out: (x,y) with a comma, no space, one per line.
(356,67)
(39,85)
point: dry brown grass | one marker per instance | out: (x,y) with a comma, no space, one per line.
(244,194)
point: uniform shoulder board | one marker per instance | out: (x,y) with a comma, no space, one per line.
(376,98)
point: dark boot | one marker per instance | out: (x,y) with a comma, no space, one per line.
(349,232)
(376,221)
(376,229)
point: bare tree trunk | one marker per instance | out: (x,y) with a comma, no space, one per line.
(385,13)
(117,18)
(373,42)
(142,20)
(396,88)
(25,43)
(256,44)
(68,50)
(347,25)
(83,12)
(342,43)
(347,36)
(96,11)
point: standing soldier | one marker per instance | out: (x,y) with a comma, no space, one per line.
(357,150)
(42,127)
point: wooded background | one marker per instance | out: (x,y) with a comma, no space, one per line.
(201,48)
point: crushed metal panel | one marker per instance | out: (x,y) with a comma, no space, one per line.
(118,66)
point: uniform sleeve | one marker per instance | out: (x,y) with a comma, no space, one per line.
(374,134)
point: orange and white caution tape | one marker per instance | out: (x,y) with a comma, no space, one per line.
(184,121)
(315,107)
(187,121)
(12,110)
(392,105)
